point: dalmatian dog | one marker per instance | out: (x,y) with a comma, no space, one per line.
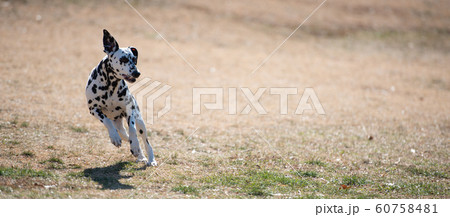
(110,100)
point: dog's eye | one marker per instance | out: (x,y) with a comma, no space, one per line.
(123,60)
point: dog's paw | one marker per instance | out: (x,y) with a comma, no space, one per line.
(142,159)
(152,164)
(115,139)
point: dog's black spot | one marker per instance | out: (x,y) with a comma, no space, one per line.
(103,102)
(117,70)
(141,132)
(105,96)
(131,150)
(94,88)
(118,108)
(89,82)
(124,60)
(122,92)
(146,140)
(132,107)
(128,120)
(120,99)
(114,84)
(94,74)
(131,141)
(111,77)
(132,122)
(101,79)
(97,98)
(100,114)
(103,88)
(95,105)
(90,101)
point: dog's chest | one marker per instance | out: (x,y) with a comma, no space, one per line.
(114,106)
(111,98)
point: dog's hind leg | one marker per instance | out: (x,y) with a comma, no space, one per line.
(134,143)
(122,132)
(143,132)
(113,135)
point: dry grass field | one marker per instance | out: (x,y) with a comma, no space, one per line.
(379,68)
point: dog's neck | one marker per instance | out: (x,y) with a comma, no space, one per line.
(109,80)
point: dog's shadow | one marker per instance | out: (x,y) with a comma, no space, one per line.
(109,176)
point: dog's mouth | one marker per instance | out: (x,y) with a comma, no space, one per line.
(128,78)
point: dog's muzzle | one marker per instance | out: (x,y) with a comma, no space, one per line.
(128,78)
(136,74)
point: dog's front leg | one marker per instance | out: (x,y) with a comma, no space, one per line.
(113,135)
(134,143)
(143,131)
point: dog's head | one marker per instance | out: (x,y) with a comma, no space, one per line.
(123,61)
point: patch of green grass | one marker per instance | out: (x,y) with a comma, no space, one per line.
(427,172)
(17,172)
(186,189)
(129,166)
(206,161)
(28,154)
(388,188)
(173,159)
(24,124)
(257,190)
(79,129)
(51,147)
(56,166)
(75,166)
(316,162)
(55,160)
(75,175)
(13,142)
(424,189)
(54,163)
(257,183)
(6,189)
(305,173)
(353,180)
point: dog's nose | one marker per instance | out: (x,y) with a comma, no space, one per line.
(136,74)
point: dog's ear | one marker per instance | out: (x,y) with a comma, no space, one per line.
(109,43)
(135,53)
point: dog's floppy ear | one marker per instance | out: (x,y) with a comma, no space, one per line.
(109,43)
(135,53)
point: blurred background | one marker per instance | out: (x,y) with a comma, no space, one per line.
(365,59)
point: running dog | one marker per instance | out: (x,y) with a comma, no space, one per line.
(110,100)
